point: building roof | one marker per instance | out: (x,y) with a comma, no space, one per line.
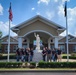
(73,39)
(69,38)
(5,39)
(40,18)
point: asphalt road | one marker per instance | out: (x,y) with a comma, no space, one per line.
(37,73)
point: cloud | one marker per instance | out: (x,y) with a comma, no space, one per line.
(56,0)
(1,10)
(61,7)
(43,1)
(63,34)
(60,10)
(33,8)
(49,14)
(71,18)
(4,27)
(38,13)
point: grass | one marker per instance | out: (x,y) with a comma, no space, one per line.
(4,54)
(36,69)
(65,54)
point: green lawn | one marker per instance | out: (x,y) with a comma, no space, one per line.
(4,54)
(36,69)
(66,54)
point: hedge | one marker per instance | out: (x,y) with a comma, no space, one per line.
(40,65)
(57,64)
(70,57)
(5,57)
(10,64)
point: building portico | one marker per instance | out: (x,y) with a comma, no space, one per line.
(47,30)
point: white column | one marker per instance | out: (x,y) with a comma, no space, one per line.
(56,42)
(28,43)
(19,42)
(49,43)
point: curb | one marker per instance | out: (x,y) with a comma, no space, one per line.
(37,70)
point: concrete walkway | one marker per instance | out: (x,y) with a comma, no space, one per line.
(63,60)
(70,60)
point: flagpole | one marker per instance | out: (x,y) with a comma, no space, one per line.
(10,19)
(9,41)
(67,35)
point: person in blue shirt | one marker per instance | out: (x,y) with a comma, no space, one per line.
(44,54)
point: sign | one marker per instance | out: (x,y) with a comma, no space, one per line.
(34,42)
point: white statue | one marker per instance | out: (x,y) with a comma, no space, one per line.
(37,41)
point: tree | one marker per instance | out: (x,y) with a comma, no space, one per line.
(0,38)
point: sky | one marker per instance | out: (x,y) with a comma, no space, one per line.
(23,10)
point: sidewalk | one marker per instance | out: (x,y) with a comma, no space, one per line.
(63,60)
(70,60)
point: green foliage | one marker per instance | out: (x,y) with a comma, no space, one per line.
(5,57)
(33,63)
(10,64)
(0,38)
(40,65)
(70,57)
(73,54)
(57,64)
(0,34)
(0,55)
(2,64)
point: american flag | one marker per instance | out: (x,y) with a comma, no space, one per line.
(10,13)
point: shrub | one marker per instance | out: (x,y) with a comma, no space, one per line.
(32,65)
(13,64)
(57,64)
(0,54)
(10,64)
(70,57)
(5,57)
(42,64)
(2,64)
(73,54)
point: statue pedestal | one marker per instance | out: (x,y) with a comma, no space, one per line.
(37,56)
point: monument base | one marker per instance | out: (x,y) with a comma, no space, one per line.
(37,56)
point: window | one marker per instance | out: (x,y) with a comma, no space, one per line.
(51,40)
(62,47)
(6,48)
(52,46)
(0,49)
(74,48)
(15,48)
(25,46)
(24,40)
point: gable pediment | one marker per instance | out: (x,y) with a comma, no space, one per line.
(39,25)
(5,39)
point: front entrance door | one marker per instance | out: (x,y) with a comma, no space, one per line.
(31,45)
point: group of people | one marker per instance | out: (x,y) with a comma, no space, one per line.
(51,54)
(26,55)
